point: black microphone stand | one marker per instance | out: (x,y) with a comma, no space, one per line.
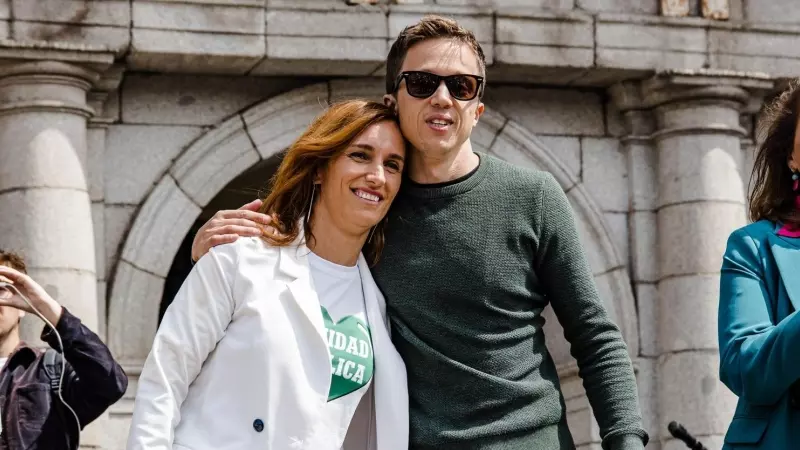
(679,432)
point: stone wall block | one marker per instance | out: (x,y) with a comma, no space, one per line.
(642,167)
(647,302)
(47,157)
(67,246)
(557,345)
(195,52)
(155,255)
(588,234)
(644,250)
(687,313)
(79,12)
(193,100)
(362,23)
(546,56)
(779,67)
(550,111)
(544,4)
(489,126)
(272,128)
(372,50)
(770,12)
(95,162)
(682,253)
(545,31)
(657,36)
(98,225)
(137,320)
(102,310)
(567,149)
(605,173)
(218,37)
(648,7)
(583,427)
(115,39)
(756,42)
(215,160)
(615,289)
(658,43)
(149,148)
(618,228)
(647,381)
(227,17)
(117,220)
(700,167)
(368,88)
(648,60)
(690,389)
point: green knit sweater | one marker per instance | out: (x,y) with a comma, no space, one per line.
(467,270)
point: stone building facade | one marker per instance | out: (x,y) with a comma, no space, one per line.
(124,124)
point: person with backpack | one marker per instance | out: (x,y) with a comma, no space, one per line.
(48,396)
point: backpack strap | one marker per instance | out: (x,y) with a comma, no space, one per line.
(52,366)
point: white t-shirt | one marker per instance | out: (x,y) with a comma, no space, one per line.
(341,297)
(3,362)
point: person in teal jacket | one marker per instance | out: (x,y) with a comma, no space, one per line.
(759,326)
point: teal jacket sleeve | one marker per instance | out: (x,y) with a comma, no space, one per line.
(758,359)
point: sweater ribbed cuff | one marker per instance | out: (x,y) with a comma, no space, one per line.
(627,442)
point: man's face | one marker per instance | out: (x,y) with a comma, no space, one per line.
(9,317)
(438,124)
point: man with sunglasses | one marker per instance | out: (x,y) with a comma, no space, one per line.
(476,248)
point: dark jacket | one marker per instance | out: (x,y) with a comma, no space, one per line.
(32,415)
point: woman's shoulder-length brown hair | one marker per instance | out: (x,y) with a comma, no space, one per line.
(771,193)
(325,139)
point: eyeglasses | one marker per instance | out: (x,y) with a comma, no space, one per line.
(424,84)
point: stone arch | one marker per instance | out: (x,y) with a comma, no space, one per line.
(206,166)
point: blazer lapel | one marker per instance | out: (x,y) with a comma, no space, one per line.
(786,252)
(294,264)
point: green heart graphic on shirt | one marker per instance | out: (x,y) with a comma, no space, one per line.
(350,347)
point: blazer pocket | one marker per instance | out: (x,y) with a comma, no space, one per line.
(746,430)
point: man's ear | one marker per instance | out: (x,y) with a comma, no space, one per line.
(479,111)
(390,101)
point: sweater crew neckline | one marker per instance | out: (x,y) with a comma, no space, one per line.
(449,188)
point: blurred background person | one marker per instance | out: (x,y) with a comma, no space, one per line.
(759,327)
(82,372)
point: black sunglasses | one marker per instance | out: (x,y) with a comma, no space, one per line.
(424,84)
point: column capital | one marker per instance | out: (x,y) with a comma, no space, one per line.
(689,85)
(98,97)
(49,76)
(703,85)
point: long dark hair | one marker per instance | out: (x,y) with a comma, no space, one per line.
(771,194)
(325,139)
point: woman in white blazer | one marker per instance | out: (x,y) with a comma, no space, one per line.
(279,343)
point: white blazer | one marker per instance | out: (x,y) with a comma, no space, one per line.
(240,360)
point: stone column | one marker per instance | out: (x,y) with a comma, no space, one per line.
(44,200)
(701,199)
(641,157)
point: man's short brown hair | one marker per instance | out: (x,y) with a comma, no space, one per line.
(430,27)
(13,260)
